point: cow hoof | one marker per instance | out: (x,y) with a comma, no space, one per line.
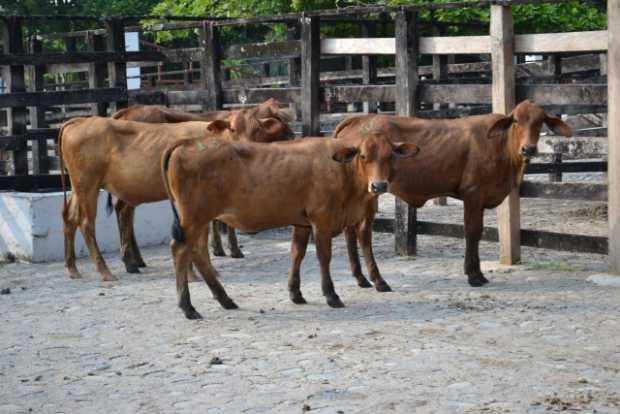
(382,286)
(237,255)
(192,314)
(74,274)
(108,277)
(297,298)
(219,252)
(477,281)
(334,301)
(227,303)
(363,282)
(141,263)
(132,268)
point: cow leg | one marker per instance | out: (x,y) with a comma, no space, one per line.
(474,214)
(181,257)
(354,258)
(124,217)
(88,214)
(216,240)
(301,235)
(233,245)
(323,241)
(202,261)
(364,233)
(71,220)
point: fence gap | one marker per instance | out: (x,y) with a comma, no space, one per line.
(310,76)
(406,37)
(503,99)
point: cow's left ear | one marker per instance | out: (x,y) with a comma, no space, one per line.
(345,155)
(405,150)
(218,126)
(558,126)
(500,126)
(270,124)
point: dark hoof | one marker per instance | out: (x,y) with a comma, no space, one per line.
(141,263)
(227,303)
(192,314)
(382,286)
(132,268)
(334,301)
(237,255)
(477,280)
(219,252)
(363,282)
(297,298)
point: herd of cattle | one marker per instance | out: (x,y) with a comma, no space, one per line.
(245,168)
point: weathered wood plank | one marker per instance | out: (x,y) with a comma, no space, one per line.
(369,66)
(613,85)
(81,57)
(310,76)
(575,146)
(97,71)
(564,191)
(283,49)
(503,95)
(591,41)
(117,70)
(531,238)
(210,66)
(22,99)
(565,167)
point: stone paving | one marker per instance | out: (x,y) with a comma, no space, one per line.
(538,339)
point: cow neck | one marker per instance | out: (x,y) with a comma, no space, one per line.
(512,153)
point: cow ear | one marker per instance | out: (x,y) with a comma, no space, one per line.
(218,126)
(558,126)
(405,150)
(270,124)
(345,155)
(500,126)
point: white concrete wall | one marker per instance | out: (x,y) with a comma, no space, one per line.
(31,226)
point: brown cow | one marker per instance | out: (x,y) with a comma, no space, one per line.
(318,185)
(477,159)
(158,114)
(122,157)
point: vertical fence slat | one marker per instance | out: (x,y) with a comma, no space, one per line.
(294,65)
(96,71)
(613,105)
(440,73)
(210,66)
(16,117)
(406,34)
(503,97)
(117,71)
(310,76)
(369,65)
(37,114)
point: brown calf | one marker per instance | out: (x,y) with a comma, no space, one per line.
(242,125)
(122,157)
(317,185)
(477,159)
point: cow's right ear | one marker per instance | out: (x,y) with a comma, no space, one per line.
(218,126)
(500,126)
(345,155)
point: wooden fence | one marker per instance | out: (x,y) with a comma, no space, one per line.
(417,90)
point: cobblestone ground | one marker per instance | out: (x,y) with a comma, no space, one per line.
(539,338)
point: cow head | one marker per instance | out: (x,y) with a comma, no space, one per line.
(375,157)
(527,119)
(246,125)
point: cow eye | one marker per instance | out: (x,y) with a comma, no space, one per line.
(362,157)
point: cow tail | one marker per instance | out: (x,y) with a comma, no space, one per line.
(177,229)
(109,206)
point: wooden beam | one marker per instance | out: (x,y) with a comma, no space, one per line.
(503,95)
(22,99)
(406,34)
(293,32)
(310,76)
(566,42)
(97,71)
(613,87)
(564,191)
(454,45)
(210,66)
(280,50)
(369,66)
(117,71)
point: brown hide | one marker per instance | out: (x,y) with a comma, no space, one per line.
(318,183)
(478,159)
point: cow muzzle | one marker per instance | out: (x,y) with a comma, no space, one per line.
(378,187)
(529,151)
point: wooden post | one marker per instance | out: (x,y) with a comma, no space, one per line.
(556,176)
(40,163)
(440,73)
(294,65)
(210,66)
(18,116)
(503,96)
(96,71)
(117,71)
(310,76)
(613,127)
(406,34)
(369,66)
